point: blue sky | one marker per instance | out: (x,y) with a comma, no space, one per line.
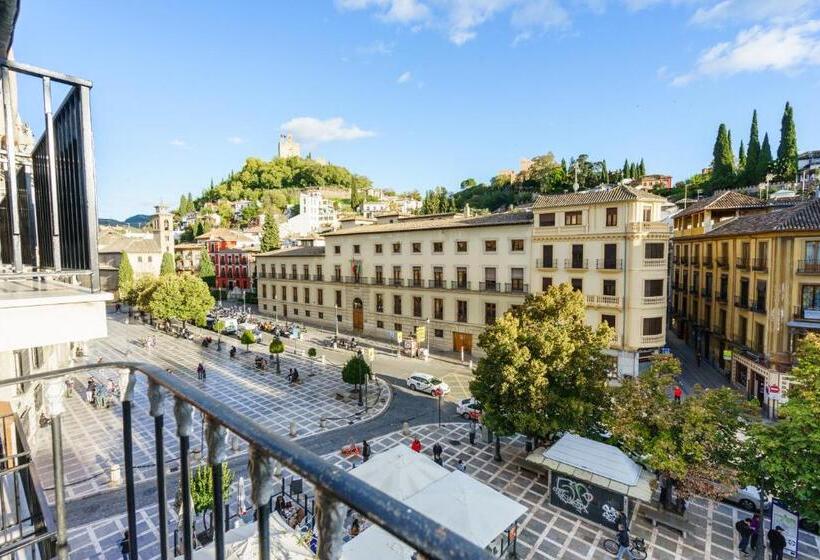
(419,93)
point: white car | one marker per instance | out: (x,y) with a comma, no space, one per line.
(747,498)
(426,383)
(466,406)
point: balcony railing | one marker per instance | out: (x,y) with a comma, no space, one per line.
(377,280)
(292,276)
(743,263)
(603,301)
(722,297)
(396,282)
(706,292)
(808,267)
(459,285)
(653,340)
(576,264)
(354,280)
(758,306)
(304,277)
(609,264)
(415,283)
(517,288)
(723,262)
(333,487)
(654,263)
(317,278)
(438,284)
(693,290)
(742,302)
(707,262)
(653,300)
(760,264)
(549,263)
(807,313)
(490,286)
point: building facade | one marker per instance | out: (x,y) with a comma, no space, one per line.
(232,253)
(745,275)
(456,274)
(187,257)
(653,181)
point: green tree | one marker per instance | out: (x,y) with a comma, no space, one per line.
(270,234)
(207,272)
(625,170)
(641,169)
(604,172)
(247,339)
(544,370)
(202,488)
(723,167)
(125,277)
(692,446)
(633,171)
(355,372)
(751,171)
(200,229)
(741,159)
(468,183)
(783,457)
(276,347)
(167,266)
(185,298)
(786,164)
(765,160)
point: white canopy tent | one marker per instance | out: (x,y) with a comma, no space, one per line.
(242,544)
(399,472)
(455,500)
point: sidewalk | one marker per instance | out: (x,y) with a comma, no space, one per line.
(705,375)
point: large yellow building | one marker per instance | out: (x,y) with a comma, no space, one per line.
(746,286)
(455,274)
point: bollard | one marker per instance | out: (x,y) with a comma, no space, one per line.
(321,423)
(293,429)
(405,429)
(115,474)
(323,359)
(471,363)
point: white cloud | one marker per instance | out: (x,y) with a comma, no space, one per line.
(235,140)
(313,131)
(404,78)
(770,11)
(401,11)
(375,48)
(542,14)
(179,143)
(778,48)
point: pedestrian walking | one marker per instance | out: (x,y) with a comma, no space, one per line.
(744,531)
(461,466)
(200,372)
(437,450)
(125,546)
(89,391)
(755,526)
(365,450)
(623,544)
(777,542)
(678,392)
(416,445)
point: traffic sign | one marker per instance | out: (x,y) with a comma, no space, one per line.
(774,388)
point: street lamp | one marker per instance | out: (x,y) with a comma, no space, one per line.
(336,319)
(437,392)
(428,337)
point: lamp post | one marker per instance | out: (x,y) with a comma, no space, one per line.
(336,319)
(428,337)
(438,393)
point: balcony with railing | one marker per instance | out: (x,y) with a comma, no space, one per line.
(31,533)
(808,266)
(653,300)
(760,265)
(609,264)
(355,280)
(459,285)
(576,264)
(489,286)
(603,301)
(516,288)
(743,263)
(706,292)
(654,263)
(722,297)
(317,278)
(396,282)
(437,284)
(758,306)
(723,262)
(707,262)
(415,283)
(548,264)
(653,340)
(742,302)
(808,313)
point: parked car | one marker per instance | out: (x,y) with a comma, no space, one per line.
(747,498)
(426,383)
(467,406)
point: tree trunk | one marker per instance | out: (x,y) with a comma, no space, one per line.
(359,389)
(667,485)
(278,371)
(497,456)
(760,551)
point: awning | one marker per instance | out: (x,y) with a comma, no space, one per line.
(803,325)
(399,472)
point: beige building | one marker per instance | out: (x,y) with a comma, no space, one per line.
(455,274)
(746,283)
(188,257)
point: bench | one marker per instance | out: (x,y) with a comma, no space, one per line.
(668,519)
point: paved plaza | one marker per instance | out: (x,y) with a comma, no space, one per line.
(546,532)
(93,437)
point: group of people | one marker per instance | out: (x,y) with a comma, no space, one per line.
(98,394)
(438,451)
(749,530)
(293,376)
(292,515)
(200,372)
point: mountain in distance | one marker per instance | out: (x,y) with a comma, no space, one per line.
(135,221)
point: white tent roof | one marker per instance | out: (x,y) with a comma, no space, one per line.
(595,457)
(241,543)
(399,472)
(465,506)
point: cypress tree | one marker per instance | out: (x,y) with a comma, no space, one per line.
(604,172)
(641,169)
(200,229)
(125,278)
(764,162)
(207,272)
(633,171)
(722,158)
(750,171)
(564,165)
(786,166)
(741,158)
(270,234)
(167,266)
(625,172)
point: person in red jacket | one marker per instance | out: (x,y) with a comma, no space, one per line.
(678,393)
(416,445)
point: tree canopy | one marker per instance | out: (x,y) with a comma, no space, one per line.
(202,487)
(270,234)
(207,272)
(167,266)
(185,298)
(125,277)
(784,457)
(786,164)
(544,370)
(355,371)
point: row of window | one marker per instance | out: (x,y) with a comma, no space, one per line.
(461,246)
(575,217)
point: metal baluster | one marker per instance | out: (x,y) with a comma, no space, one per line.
(260,470)
(54,391)
(127,381)
(156,399)
(53,208)
(217,437)
(330,522)
(11,186)
(184,414)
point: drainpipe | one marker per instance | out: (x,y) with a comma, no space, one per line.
(623,289)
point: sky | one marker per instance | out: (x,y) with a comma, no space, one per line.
(418,93)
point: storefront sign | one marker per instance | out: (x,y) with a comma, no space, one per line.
(788,521)
(587,500)
(421,333)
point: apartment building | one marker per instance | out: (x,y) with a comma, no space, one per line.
(610,245)
(455,274)
(232,253)
(745,275)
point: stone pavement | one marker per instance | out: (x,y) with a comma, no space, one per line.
(545,532)
(706,375)
(92,438)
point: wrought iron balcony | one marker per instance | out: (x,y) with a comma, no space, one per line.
(459,285)
(743,263)
(437,283)
(706,292)
(693,289)
(378,280)
(807,313)
(758,306)
(742,302)
(397,282)
(517,288)
(722,297)
(415,283)
(548,263)
(760,264)
(723,262)
(808,267)
(609,264)
(489,286)
(707,262)
(333,487)
(317,278)
(576,264)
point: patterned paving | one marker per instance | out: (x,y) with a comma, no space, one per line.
(92,437)
(545,531)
